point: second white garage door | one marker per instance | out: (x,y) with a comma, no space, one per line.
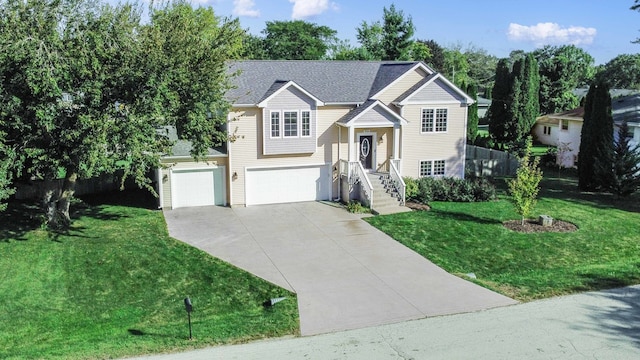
(197,187)
(288,184)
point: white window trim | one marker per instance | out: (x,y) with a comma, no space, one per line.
(280,129)
(302,125)
(435,111)
(561,125)
(432,168)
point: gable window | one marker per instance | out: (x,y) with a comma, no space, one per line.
(547,130)
(434,120)
(432,168)
(275,124)
(564,124)
(290,123)
(306,123)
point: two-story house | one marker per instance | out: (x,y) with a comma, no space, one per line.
(326,130)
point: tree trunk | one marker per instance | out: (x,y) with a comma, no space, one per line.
(522,221)
(56,200)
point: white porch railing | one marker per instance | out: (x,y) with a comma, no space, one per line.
(397,181)
(357,175)
(396,163)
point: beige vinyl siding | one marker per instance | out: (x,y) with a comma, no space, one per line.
(289,100)
(436,92)
(448,146)
(401,86)
(186,163)
(246,150)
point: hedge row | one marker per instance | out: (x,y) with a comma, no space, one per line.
(428,189)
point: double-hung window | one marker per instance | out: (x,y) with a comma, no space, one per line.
(290,123)
(275,124)
(434,120)
(306,123)
(432,168)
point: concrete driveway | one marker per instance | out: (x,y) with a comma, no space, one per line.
(346,273)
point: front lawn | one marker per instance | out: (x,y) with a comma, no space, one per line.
(114,287)
(470,238)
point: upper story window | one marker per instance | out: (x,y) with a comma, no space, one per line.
(306,123)
(564,124)
(434,120)
(290,123)
(275,124)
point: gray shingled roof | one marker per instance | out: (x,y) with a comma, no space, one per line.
(329,81)
(355,112)
(626,108)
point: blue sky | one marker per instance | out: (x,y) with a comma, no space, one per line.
(604,29)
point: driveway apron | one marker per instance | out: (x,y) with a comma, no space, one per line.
(346,273)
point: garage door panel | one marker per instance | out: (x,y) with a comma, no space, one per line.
(284,185)
(198,187)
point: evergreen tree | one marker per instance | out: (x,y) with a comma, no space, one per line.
(472,114)
(498,111)
(620,174)
(530,109)
(389,40)
(596,139)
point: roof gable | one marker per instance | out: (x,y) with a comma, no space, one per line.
(279,86)
(372,113)
(436,89)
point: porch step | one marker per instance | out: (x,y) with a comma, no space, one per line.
(386,199)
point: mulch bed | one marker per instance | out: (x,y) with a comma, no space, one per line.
(417,206)
(533,226)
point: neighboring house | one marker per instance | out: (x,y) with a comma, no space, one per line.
(483,107)
(325,130)
(564,129)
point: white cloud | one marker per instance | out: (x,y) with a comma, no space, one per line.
(303,9)
(245,8)
(551,34)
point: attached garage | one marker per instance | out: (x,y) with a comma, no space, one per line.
(275,185)
(198,187)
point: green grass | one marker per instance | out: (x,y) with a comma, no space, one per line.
(469,237)
(114,286)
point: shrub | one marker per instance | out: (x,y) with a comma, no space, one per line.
(452,189)
(411,188)
(354,206)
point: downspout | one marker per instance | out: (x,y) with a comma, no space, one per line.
(159,187)
(339,165)
(229,167)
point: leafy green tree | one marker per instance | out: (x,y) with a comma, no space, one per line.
(482,66)
(562,69)
(253,48)
(296,40)
(524,188)
(621,172)
(419,52)
(501,127)
(436,61)
(596,138)
(456,67)
(390,39)
(472,114)
(622,72)
(342,50)
(85,88)
(6,161)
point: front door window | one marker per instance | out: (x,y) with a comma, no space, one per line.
(366,151)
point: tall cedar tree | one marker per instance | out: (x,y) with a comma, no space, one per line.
(596,139)
(621,172)
(499,123)
(472,114)
(524,106)
(296,40)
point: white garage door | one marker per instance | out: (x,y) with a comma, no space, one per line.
(288,184)
(197,187)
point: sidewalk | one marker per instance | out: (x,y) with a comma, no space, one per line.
(597,325)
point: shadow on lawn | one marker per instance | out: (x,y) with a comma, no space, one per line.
(462,217)
(620,321)
(23,216)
